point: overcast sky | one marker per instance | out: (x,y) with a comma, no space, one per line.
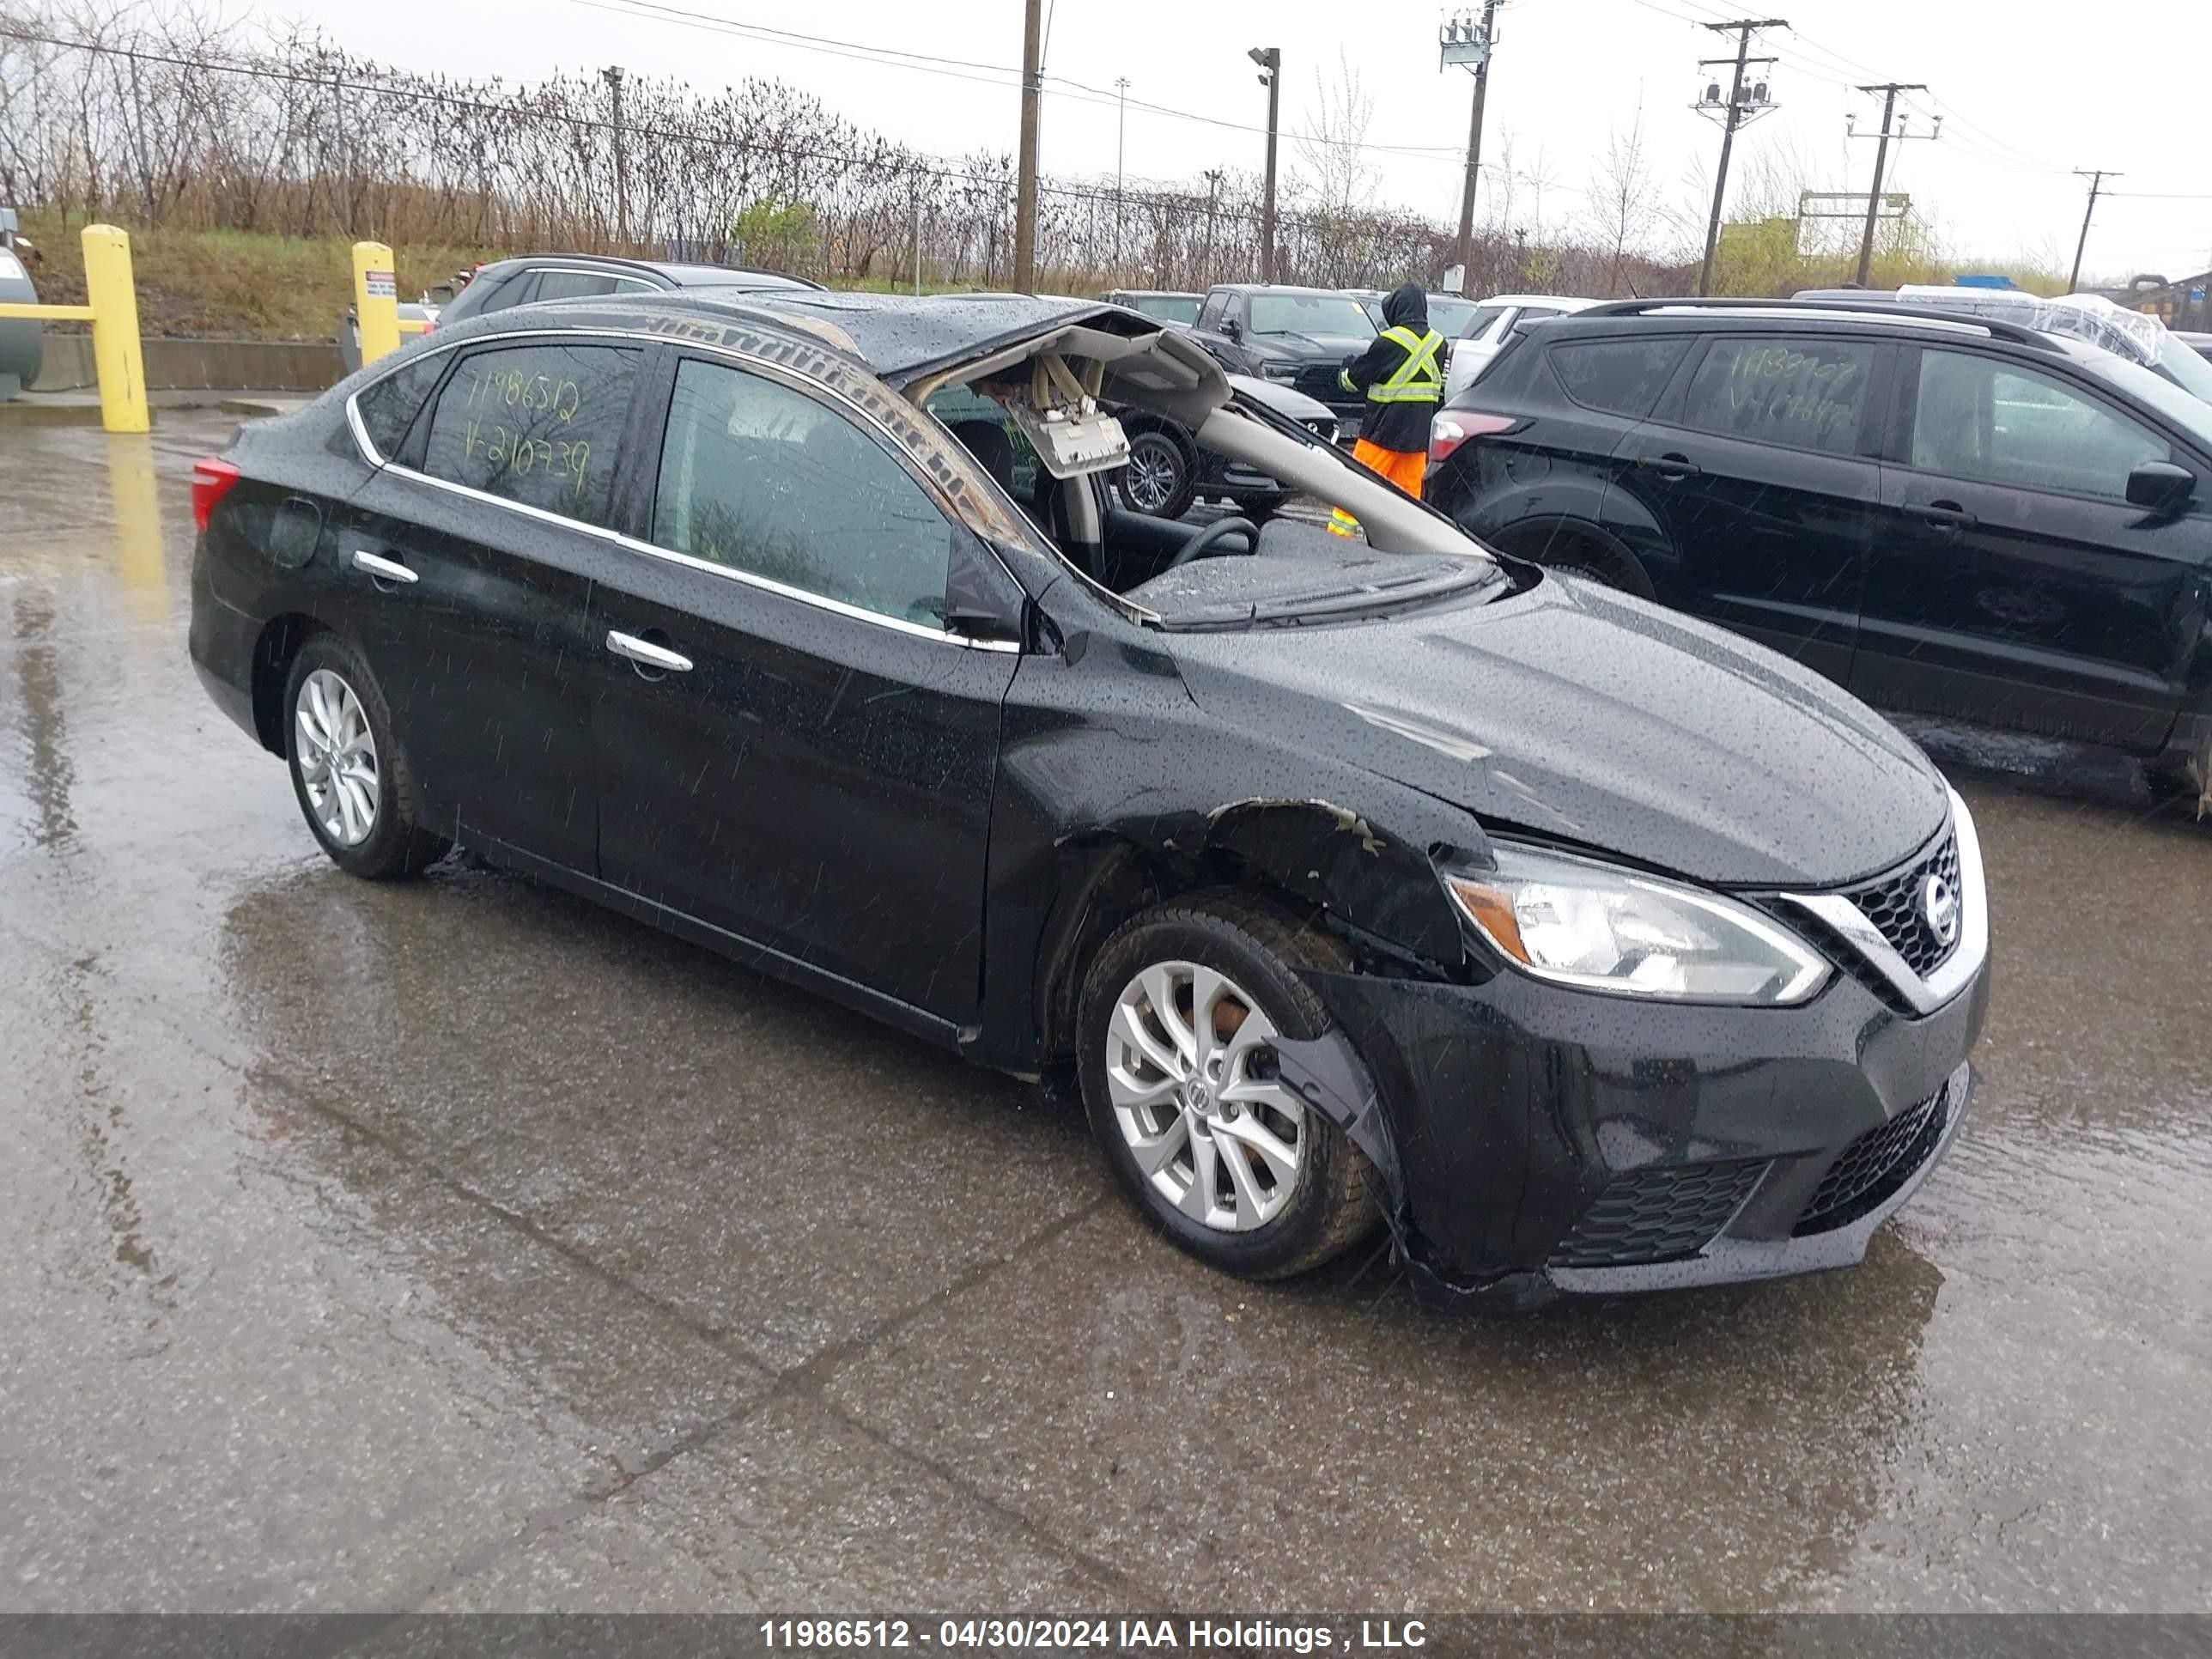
(2029,91)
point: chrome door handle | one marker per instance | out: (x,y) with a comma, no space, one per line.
(644,651)
(385,570)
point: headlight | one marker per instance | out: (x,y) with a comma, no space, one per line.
(1280,371)
(1603,929)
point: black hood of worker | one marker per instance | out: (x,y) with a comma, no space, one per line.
(1573,713)
(1407,307)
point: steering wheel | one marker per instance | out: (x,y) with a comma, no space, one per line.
(1203,538)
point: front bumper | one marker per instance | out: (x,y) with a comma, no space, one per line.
(1549,1141)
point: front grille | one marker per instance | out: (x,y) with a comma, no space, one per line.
(1657,1215)
(1873,1166)
(1893,904)
(1319,381)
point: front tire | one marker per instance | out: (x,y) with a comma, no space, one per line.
(1180,1012)
(1158,479)
(348,775)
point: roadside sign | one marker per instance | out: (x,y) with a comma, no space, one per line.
(379,285)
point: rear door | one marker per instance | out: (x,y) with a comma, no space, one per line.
(793,747)
(1757,477)
(474,556)
(2011,583)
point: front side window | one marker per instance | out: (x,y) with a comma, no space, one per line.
(537,424)
(1979,418)
(1802,394)
(765,480)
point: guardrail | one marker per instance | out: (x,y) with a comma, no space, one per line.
(111,308)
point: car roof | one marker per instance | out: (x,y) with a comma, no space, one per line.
(1283,287)
(1156,293)
(899,337)
(1688,315)
(1567,299)
(682,274)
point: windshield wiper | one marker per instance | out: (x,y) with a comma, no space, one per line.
(1339,604)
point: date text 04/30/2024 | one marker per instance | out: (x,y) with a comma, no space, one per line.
(1242,1635)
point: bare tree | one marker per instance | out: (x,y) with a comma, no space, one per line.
(1624,206)
(1337,175)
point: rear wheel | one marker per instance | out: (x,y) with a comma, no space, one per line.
(347,771)
(1181,1013)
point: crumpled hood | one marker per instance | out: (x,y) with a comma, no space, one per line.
(1582,714)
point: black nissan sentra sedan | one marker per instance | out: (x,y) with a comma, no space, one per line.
(1357,882)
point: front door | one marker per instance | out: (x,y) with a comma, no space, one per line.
(2011,583)
(793,748)
(1759,470)
(476,551)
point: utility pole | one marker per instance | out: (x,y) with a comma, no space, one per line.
(2096,184)
(1212,177)
(1270,60)
(613,76)
(1743,29)
(1888,90)
(1121,129)
(1025,178)
(1464,41)
(1120,202)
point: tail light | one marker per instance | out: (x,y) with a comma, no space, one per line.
(212,480)
(1449,430)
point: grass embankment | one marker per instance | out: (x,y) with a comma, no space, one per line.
(233,284)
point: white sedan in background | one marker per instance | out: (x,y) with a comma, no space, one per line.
(1476,340)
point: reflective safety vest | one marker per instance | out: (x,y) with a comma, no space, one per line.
(1419,379)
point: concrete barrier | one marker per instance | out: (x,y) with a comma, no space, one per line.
(176,365)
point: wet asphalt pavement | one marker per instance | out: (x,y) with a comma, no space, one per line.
(452,1244)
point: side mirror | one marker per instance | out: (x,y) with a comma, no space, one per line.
(2161,488)
(1231,327)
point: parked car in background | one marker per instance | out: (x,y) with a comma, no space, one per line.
(1168,304)
(1299,337)
(1484,328)
(1169,470)
(2199,344)
(535,276)
(1586,948)
(1448,313)
(2133,335)
(1950,516)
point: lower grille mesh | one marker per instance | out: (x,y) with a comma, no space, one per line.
(1873,1166)
(1657,1215)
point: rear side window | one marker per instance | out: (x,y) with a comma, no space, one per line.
(537,424)
(1802,394)
(388,406)
(1478,325)
(584,284)
(763,479)
(512,292)
(1619,377)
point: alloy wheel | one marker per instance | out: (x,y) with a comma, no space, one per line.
(1191,1070)
(336,758)
(1153,475)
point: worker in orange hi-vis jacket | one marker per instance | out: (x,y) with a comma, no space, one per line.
(1403,375)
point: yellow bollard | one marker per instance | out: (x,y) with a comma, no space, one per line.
(117,355)
(375,301)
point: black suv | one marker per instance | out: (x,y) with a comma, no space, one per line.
(1950,516)
(1299,337)
(580,275)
